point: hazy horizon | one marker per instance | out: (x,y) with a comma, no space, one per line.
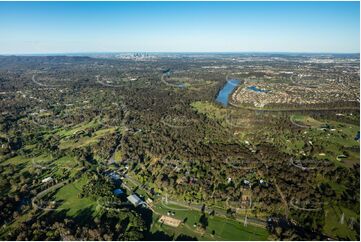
(177,52)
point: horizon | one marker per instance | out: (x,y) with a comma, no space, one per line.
(30,28)
(85,53)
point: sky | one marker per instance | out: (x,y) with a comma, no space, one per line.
(66,27)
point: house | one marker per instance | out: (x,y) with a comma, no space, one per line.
(114,176)
(118,192)
(135,200)
(46,180)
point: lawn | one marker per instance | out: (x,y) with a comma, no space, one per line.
(233,230)
(305,120)
(25,163)
(224,228)
(66,163)
(79,127)
(335,226)
(331,140)
(73,203)
(85,140)
(211,110)
(118,155)
(16,160)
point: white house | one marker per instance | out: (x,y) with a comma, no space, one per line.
(46,180)
(135,200)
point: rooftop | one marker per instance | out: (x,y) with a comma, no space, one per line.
(135,200)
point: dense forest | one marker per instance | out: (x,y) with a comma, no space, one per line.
(77,119)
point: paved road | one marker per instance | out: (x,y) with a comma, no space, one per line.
(42,84)
(299,125)
(37,83)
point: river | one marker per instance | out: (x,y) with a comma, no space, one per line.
(227,90)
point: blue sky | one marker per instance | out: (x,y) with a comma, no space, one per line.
(63,27)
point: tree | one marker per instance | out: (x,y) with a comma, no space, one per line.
(203,208)
(203,220)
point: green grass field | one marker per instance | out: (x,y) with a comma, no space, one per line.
(305,120)
(224,228)
(338,226)
(211,110)
(77,128)
(334,140)
(85,140)
(72,202)
(118,155)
